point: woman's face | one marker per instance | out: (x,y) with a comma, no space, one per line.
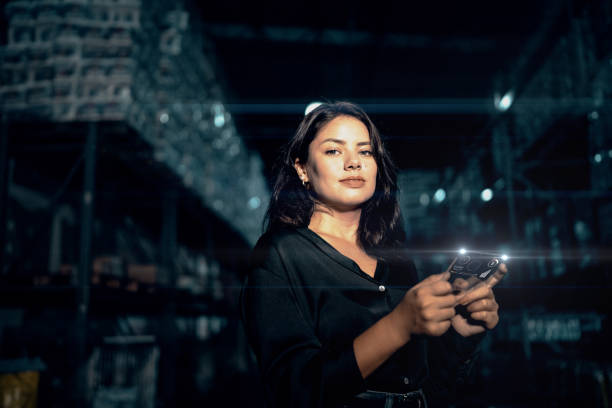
(341,168)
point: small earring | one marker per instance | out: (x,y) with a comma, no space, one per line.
(303,183)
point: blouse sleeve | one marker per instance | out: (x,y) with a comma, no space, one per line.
(297,370)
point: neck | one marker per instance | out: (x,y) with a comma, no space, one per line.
(341,224)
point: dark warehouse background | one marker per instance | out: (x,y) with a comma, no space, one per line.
(137,140)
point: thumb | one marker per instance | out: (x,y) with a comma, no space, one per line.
(434,278)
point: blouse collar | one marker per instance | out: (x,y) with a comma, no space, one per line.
(336,255)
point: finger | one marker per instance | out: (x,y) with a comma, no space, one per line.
(493,321)
(440,288)
(438,328)
(439,315)
(460,284)
(488,305)
(497,276)
(479,292)
(472,280)
(446,313)
(444,276)
(464,285)
(476,329)
(490,319)
(445,301)
(469,296)
(480,316)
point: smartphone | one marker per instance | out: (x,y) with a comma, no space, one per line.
(471,267)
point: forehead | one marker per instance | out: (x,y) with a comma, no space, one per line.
(343,128)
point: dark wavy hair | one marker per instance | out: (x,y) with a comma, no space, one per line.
(292,204)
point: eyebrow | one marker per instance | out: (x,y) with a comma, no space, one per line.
(342,142)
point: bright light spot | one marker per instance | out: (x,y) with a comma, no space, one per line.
(580,228)
(462,251)
(424,199)
(610,153)
(504,257)
(312,106)
(219,120)
(486,195)
(597,158)
(164,117)
(440,195)
(503,104)
(594,115)
(254,203)
(219,115)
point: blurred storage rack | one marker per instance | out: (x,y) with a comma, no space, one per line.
(547,164)
(123,372)
(129,203)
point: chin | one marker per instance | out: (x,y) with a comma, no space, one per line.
(348,205)
(345,201)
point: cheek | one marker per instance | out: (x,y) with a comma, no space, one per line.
(373,170)
(324,172)
(374,177)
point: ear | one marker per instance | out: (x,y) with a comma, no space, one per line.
(301,170)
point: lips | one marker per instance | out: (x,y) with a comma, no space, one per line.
(353,182)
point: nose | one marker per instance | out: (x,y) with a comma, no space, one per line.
(353,162)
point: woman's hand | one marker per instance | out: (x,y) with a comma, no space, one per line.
(480,303)
(427,308)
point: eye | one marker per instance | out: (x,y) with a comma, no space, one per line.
(332,152)
(366,153)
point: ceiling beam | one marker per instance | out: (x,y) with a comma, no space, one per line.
(328,36)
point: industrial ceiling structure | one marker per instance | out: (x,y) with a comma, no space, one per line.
(427,72)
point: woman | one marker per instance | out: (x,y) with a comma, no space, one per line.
(332,306)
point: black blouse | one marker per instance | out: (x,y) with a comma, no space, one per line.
(304,303)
